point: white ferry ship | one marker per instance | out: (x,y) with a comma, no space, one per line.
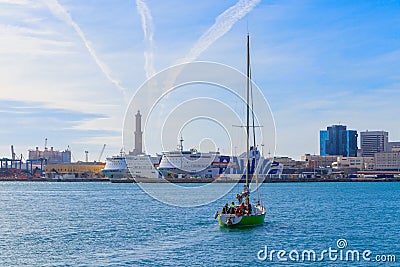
(123,168)
(143,166)
(192,163)
(116,168)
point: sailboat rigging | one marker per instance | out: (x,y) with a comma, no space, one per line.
(243,215)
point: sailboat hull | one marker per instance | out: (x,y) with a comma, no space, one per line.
(230,220)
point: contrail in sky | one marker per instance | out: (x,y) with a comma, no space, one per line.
(222,25)
(148,31)
(61,13)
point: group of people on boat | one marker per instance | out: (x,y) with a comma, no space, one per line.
(242,208)
(238,210)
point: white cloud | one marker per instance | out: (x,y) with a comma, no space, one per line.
(26,3)
(27,41)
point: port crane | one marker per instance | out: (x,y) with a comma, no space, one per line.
(102,152)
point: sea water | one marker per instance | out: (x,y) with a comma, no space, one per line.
(104,224)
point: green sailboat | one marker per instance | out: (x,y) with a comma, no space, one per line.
(245,215)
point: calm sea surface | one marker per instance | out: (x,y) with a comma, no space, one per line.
(104,224)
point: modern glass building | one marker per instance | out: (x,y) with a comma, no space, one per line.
(351,146)
(323,137)
(336,140)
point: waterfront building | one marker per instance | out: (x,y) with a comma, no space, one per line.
(316,161)
(76,170)
(288,162)
(336,140)
(52,156)
(387,161)
(393,146)
(373,142)
(360,163)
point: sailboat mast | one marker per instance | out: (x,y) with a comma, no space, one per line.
(254,158)
(248,110)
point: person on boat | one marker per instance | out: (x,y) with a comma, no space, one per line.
(259,208)
(237,212)
(246,191)
(239,197)
(232,208)
(225,209)
(249,209)
(240,210)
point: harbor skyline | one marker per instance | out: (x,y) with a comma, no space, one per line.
(70,67)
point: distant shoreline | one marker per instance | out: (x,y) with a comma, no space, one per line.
(54,180)
(202,180)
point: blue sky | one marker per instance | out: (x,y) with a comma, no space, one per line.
(317,62)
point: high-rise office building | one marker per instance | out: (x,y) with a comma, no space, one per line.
(351,146)
(323,137)
(337,140)
(373,142)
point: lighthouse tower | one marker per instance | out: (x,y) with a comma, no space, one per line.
(138,135)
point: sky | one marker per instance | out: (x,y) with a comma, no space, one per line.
(69,68)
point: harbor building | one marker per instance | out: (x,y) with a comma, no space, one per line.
(289,163)
(372,142)
(75,170)
(336,140)
(52,156)
(317,161)
(359,163)
(394,146)
(387,161)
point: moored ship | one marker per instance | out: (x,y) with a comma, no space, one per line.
(192,163)
(116,169)
(124,168)
(143,166)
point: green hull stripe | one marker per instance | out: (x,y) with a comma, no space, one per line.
(245,221)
